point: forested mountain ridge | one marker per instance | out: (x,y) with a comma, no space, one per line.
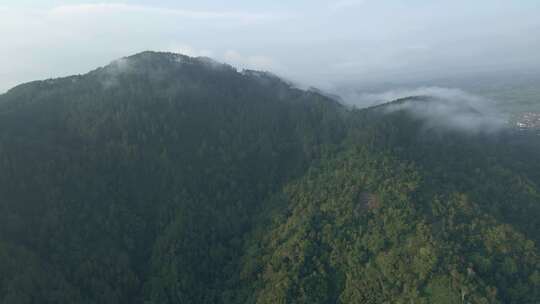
(162,178)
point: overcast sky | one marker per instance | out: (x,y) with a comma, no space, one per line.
(314,42)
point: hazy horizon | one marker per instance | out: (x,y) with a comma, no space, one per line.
(326,44)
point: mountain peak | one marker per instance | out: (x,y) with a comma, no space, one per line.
(172,179)
(151,61)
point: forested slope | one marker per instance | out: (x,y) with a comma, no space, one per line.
(162,178)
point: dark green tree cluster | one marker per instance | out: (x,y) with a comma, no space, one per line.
(167,179)
(363,228)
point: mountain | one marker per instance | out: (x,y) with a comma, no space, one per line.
(162,178)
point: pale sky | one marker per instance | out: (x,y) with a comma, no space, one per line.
(316,42)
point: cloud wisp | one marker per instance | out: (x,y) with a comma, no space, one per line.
(445,108)
(114,8)
(71,39)
(319,43)
(345,4)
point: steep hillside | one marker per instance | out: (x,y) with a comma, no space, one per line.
(405,213)
(162,178)
(103,171)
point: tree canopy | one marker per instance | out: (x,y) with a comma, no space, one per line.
(167,179)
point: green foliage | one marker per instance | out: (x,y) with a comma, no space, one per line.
(168,179)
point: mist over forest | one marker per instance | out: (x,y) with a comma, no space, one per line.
(318,152)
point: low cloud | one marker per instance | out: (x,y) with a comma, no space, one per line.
(253,62)
(39,43)
(443,107)
(110,78)
(189,50)
(339,42)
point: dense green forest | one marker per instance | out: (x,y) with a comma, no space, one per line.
(162,178)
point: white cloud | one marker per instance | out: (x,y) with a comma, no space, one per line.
(453,109)
(345,4)
(115,8)
(188,50)
(417,47)
(446,107)
(40,43)
(256,62)
(341,41)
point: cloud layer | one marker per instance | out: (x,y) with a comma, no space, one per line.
(72,39)
(320,43)
(446,108)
